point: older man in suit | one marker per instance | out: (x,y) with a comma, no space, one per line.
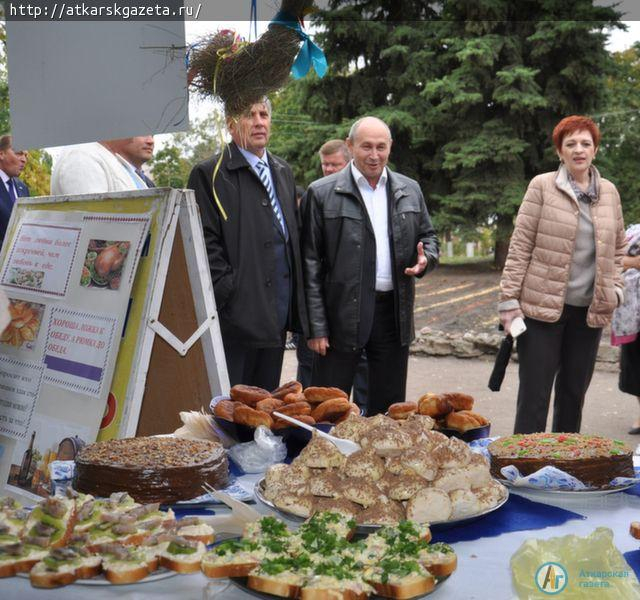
(250,222)
(12,163)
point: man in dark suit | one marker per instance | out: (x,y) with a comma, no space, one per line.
(11,165)
(250,223)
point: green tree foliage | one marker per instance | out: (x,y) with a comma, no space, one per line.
(170,169)
(296,136)
(509,75)
(172,164)
(470,89)
(619,155)
(37,173)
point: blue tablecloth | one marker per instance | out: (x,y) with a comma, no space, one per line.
(518,514)
(635,490)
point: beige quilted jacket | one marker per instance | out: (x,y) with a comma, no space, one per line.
(536,273)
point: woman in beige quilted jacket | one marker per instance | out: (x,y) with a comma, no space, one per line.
(563,275)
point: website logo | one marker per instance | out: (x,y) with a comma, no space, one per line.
(551,578)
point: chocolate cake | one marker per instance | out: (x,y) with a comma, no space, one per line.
(151,469)
(592,459)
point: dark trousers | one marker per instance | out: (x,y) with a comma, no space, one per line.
(304,354)
(254,366)
(565,351)
(305,365)
(386,356)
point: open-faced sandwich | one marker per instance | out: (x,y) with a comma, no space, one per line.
(182,555)
(19,558)
(124,564)
(13,520)
(78,536)
(50,523)
(318,562)
(63,566)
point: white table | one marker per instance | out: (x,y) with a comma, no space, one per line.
(483,565)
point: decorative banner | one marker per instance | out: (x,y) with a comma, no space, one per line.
(77,349)
(41,258)
(19,388)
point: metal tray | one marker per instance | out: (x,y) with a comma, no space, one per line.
(562,494)
(258,490)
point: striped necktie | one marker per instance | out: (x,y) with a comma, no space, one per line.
(262,173)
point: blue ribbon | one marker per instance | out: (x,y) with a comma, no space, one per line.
(253,19)
(310,54)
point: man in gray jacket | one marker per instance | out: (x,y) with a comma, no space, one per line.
(366,236)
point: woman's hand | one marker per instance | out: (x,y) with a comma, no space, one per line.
(507,316)
(630,262)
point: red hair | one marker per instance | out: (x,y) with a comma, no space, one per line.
(574,123)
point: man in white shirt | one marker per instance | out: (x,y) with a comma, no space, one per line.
(135,152)
(367,234)
(96,168)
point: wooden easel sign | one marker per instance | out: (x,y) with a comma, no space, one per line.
(90,285)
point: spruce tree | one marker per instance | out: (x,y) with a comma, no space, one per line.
(470,89)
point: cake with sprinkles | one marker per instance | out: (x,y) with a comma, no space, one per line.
(592,459)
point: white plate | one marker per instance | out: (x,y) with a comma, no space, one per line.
(100,580)
(241,582)
(433,525)
(564,494)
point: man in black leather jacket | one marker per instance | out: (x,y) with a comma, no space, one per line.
(366,235)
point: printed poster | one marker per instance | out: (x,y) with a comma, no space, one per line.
(41,258)
(67,270)
(77,349)
(19,389)
(48,439)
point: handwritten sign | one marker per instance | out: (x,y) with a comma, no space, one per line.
(77,349)
(19,388)
(41,258)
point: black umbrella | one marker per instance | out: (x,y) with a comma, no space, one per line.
(500,366)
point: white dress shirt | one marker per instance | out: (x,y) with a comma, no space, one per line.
(137,180)
(375,201)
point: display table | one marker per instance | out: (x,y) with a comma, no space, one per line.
(483,564)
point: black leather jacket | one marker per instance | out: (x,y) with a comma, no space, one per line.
(339,256)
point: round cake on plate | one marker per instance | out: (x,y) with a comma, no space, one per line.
(151,469)
(592,459)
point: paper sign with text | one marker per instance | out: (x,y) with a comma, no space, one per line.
(41,258)
(77,349)
(19,388)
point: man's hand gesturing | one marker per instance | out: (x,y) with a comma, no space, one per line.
(420,266)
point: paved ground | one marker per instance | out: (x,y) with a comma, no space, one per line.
(458,298)
(607,411)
